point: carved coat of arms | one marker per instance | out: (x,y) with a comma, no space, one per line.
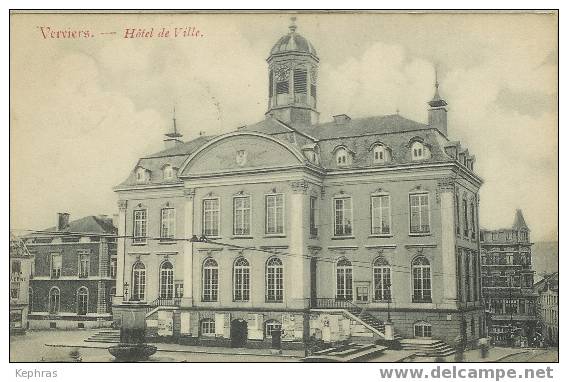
(241,157)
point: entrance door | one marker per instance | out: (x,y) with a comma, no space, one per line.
(239,333)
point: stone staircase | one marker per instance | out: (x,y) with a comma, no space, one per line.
(346,353)
(427,347)
(109,336)
(357,311)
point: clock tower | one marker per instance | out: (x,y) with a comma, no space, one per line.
(292,79)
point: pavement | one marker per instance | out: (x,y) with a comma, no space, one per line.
(57,346)
(176,348)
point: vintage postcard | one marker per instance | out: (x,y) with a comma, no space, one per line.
(284,186)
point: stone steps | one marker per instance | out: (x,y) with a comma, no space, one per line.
(107,336)
(427,347)
(349,353)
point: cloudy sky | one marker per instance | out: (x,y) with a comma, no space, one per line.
(83,110)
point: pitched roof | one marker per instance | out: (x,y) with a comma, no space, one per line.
(384,124)
(89,224)
(519,222)
(174,156)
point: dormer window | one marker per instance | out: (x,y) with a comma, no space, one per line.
(141,175)
(169,172)
(381,154)
(419,151)
(342,157)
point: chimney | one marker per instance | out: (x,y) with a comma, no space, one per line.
(341,119)
(62,221)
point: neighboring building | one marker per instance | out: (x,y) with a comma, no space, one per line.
(547,307)
(74,273)
(507,278)
(315,229)
(20,271)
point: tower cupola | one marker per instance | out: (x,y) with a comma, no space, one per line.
(292,79)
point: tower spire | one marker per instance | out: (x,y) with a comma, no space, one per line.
(174,133)
(174,136)
(437,101)
(437,113)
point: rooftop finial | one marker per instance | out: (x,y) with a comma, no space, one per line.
(293,25)
(174,118)
(437,84)
(174,132)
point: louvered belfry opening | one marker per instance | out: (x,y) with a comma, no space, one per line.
(300,81)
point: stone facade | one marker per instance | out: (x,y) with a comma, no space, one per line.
(78,295)
(287,224)
(508,283)
(20,272)
(547,308)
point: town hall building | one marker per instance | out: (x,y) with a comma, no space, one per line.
(322,231)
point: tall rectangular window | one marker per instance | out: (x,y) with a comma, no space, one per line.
(56,265)
(380,215)
(343,213)
(211,217)
(210,280)
(84,264)
(168,225)
(465,218)
(274,214)
(242,216)
(140,226)
(419,213)
(472,214)
(314,216)
(113,265)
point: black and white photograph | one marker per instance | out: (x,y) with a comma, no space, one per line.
(284,186)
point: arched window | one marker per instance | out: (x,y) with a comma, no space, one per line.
(241,280)
(168,172)
(381,154)
(141,175)
(166,280)
(271,326)
(82,301)
(54,298)
(422,329)
(344,284)
(382,279)
(422,280)
(207,327)
(30,299)
(138,282)
(419,151)
(341,157)
(210,280)
(274,280)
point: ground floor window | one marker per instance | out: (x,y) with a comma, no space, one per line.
(422,329)
(272,326)
(208,327)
